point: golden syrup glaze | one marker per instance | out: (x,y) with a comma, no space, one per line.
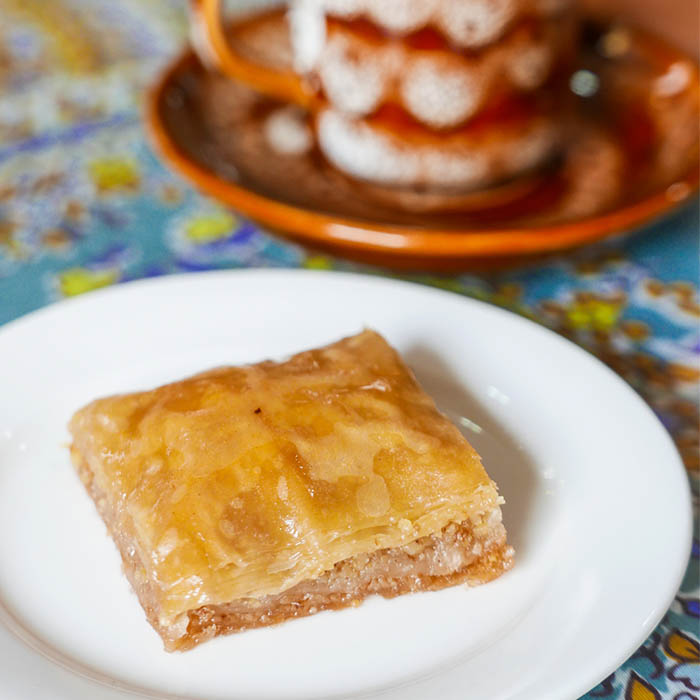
(244,481)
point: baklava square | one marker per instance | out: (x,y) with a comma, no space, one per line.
(245,496)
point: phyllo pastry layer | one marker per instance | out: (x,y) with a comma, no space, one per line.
(244,496)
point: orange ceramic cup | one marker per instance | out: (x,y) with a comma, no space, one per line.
(458,94)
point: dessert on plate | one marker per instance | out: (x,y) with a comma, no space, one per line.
(245,496)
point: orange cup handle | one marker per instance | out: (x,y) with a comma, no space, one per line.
(283,85)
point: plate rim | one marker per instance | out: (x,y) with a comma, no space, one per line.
(593,677)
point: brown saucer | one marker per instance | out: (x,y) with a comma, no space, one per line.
(632,156)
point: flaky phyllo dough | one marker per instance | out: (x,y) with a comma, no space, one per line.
(244,496)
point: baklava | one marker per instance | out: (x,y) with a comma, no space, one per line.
(245,496)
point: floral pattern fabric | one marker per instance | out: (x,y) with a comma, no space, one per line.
(85,203)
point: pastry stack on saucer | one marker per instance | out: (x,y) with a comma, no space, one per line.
(437,94)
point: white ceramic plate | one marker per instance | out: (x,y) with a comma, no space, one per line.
(594,491)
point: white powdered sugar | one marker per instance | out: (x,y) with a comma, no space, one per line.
(355,75)
(477,22)
(307,29)
(368,154)
(400,15)
(462,168)
(392,15)
(534,146)
(375,155)
(441,91)
(466,23)
(440,88)
(287,132)
(344,8)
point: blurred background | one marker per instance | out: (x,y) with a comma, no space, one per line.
(678,21)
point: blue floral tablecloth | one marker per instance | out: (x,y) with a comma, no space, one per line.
(85,203)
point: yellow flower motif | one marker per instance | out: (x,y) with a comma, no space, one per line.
(318,262)
(682,648)
(71,44)
(115,174)
(448,283)
(637,689)
(78,280)
(207,228)
(589,313)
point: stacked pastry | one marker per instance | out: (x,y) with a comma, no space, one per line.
(436,93)
(247,496)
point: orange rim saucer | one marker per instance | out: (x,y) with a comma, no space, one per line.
(402,245)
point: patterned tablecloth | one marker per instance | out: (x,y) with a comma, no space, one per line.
(85,203)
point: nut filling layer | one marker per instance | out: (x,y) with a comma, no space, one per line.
(246,496)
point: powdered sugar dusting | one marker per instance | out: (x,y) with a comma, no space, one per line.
(287,132)
(467,23)
(375,155)
(441,92)
(393,15)
(439,88)
(542,139)
(400,15)
(354,75)
(360,151)
(477,22)
(307,28)
(343,8)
